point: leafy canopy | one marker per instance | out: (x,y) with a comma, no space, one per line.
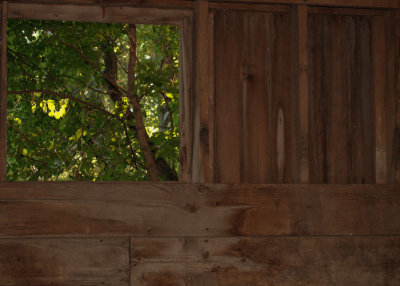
(66,121)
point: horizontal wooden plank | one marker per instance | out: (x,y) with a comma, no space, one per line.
(64,261)
(147,209)
(345,11)
(174,3)
(110,3)
(137,15)
(336,3)
(266,261)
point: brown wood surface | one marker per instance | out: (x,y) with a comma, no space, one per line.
(174,209)
(137,15)
(265,261)
(63,261)
(186,103)
(303,101)
(3,92)
(347,3)
(341,92)
(252,68)
(380,99)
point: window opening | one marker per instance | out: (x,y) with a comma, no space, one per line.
(77,93)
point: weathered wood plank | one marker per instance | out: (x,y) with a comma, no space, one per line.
(266,261)
(136,15)
(111,3)
(174,209)
(379,52)
(205,169)
(3,92)
(345,3)
(63,261)
(186,102)
(390,85)
(341,82)
(302,18)
(228,96)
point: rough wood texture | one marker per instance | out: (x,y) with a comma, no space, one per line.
(349,3)
(266,261)
(252,65)
(173,209)
(341,99)
(303,101)
(3,92)
(137,15)
(56,262)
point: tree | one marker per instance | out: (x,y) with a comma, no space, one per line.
(92,101)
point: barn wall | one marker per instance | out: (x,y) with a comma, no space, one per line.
(271,94)
(257,95)
(185,234)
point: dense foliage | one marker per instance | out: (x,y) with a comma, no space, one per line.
(66,118)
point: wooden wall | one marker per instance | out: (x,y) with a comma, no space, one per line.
(271,94)
(185,234)
(349,87)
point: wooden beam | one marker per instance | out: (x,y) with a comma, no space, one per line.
(204,126)
(3,93)
(80,209)
(265,261)
(111,3)
(137,15)
(391,4)
(64,261)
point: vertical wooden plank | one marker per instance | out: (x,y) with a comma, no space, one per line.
(281,100)
(360,93)
(211,95)
(228,92)
(205,168)
(258,80)
(186,102)
(396,136)
(379,54)
(390,100)
(317,130)
(3,94)
(302,18)
(337,134)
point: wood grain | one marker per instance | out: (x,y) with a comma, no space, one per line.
(249,97)
(3,92)
(379,49)
(137,15)
(174,209)
(266,261)
(63,261)
(341,88)
(346,3)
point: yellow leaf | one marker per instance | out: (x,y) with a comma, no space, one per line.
(18,121)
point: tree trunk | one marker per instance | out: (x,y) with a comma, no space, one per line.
(135,101)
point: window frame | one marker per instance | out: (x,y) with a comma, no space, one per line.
(177,15)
